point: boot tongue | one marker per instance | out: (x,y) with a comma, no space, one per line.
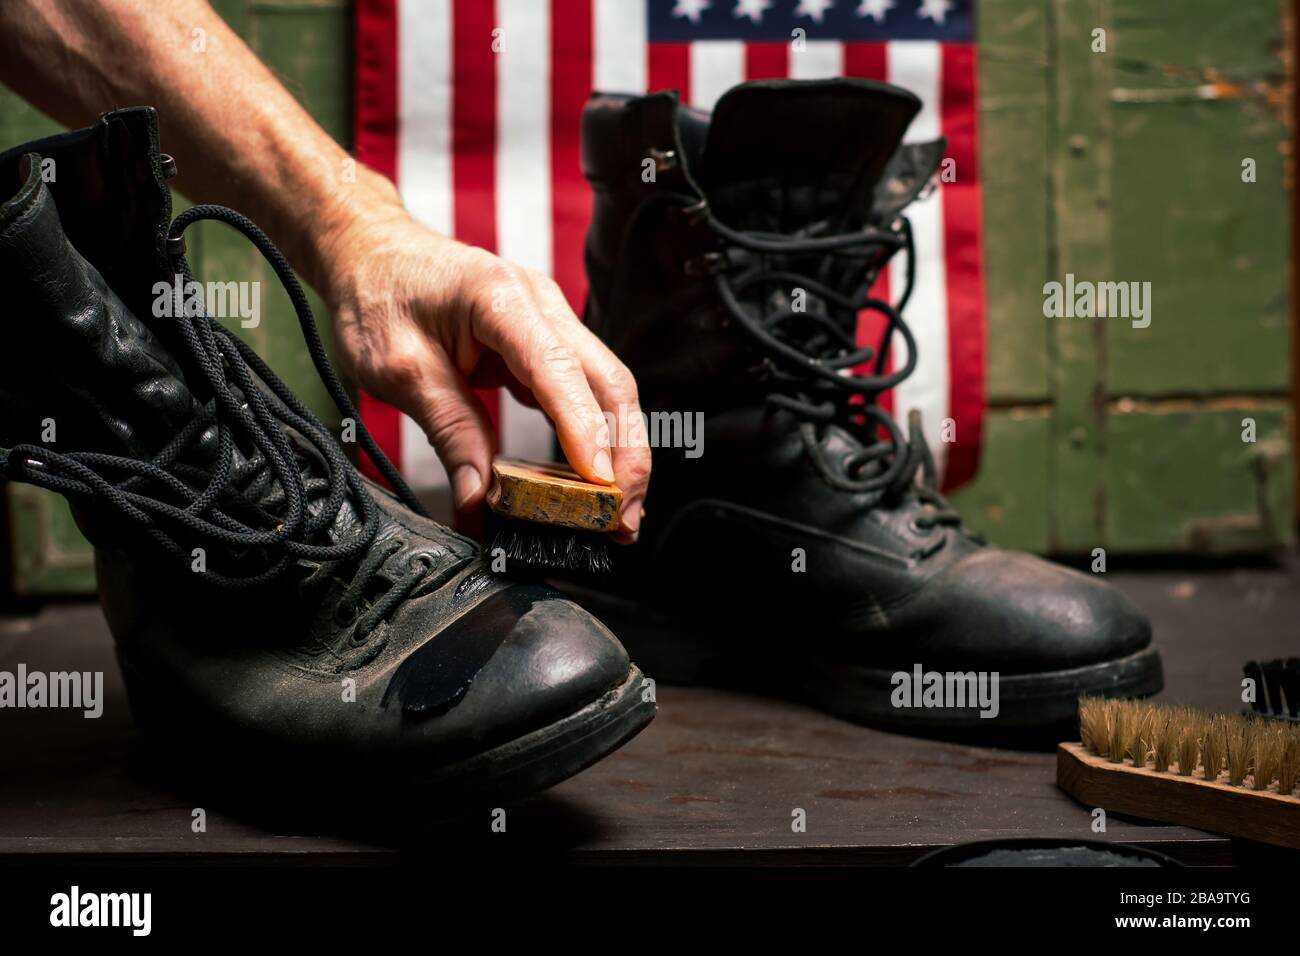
(782,155)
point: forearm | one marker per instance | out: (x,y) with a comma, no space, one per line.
(238,136)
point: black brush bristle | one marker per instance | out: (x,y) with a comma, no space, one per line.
(538,546)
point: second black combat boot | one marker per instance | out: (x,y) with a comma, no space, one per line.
(806,549)
(283,625)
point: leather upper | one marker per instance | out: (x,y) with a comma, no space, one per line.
(76,354)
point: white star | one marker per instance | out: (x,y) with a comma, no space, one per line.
(691,9)
(936,10)
(813,8)
(754,9)
(876,9)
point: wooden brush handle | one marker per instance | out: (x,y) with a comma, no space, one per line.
(552,494)
(1260,815)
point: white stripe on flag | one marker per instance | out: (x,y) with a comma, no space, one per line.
(917,66)
(424,110)
(817,60)
(424,165)
(716,66)
(619,46)
(523,175)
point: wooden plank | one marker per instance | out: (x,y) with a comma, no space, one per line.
(234,12)
(1180,477)
(1013,118)
(49,556)
(308,46)
(1081,190)
(1290,18)
(1196,92)
(1008,501)
(20,121)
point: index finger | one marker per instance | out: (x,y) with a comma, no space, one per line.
(517,328)
(615,390)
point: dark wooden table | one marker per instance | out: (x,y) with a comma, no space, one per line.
(715,778)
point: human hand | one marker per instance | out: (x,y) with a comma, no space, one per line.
(422,320)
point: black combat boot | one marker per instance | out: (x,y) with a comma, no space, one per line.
(807,549)
(280,621)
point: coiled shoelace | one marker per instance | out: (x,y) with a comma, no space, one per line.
(810,354)
(262,502)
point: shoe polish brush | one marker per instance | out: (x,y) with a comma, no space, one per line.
(1225,773)
(543,515)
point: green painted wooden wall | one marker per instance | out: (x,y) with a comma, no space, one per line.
(1116,166)
(1127,166)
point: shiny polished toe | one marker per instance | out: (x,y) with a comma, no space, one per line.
(521,658)
(1018,613)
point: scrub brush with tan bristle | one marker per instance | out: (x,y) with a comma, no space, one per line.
(1225,773)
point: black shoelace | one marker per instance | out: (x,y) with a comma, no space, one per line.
(810,353)
(262,502)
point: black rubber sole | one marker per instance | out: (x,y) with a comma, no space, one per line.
(677,654)
(1047,698)
(338,791)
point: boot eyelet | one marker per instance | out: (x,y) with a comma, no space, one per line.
(664,159)
(711,263)
(694,214)
(924,530)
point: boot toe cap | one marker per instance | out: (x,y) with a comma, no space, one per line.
(520,659)
(1018,613)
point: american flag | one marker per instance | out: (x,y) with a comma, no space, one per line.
(472,108)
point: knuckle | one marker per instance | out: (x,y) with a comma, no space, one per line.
(501,277)
(498,290)
(586,420)
(621,384)
(444,427)
(549,287)
(637,466)
(560,359)
(403,367)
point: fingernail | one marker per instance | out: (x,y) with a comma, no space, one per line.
(602,466)
(632,513)
(465,482)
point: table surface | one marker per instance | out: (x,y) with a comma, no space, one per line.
(715,778)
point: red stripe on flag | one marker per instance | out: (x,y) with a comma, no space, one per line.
(572,78)
(767,61)
(473,123)
(474,136)
(668,67)
(865,60)
(376,121)
(375,116)
(869,61)
(963,229)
